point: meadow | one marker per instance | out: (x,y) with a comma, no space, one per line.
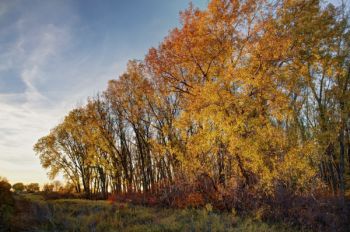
(34,213)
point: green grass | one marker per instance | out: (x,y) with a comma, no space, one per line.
(84,215)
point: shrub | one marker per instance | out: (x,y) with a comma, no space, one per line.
(112,198)
(194,200)
(18,187)
(47,188)
(32,188)
(318,211)
(6,205)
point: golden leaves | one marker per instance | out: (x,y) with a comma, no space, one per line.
(236,82)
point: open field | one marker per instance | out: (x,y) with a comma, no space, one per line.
(36,214)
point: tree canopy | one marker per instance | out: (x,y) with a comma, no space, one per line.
(248,93)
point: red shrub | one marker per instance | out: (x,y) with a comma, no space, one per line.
(194,200)
(152,201)
(112,198)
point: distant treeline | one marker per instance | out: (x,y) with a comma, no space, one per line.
(19,187)
(245,95)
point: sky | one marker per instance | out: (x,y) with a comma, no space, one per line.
(54,54)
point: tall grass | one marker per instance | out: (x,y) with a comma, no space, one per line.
(37,214)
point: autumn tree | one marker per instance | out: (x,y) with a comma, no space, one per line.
(253,94)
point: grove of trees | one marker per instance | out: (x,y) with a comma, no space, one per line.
(248,94)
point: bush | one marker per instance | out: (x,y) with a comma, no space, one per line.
(6,205)
(32,188)
(310,211)
(18,187)
(48,188)
(319,212)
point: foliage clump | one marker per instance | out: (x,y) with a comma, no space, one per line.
(7,204)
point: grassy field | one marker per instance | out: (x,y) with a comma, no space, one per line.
(36,214)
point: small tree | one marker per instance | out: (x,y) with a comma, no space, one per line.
(57,185)
(67,188)
(32,188)
(5,186)
(6,203)
(18,187)
(48,188)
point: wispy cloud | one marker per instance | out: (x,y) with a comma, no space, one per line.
(38,53)
(54,54)
(28,114)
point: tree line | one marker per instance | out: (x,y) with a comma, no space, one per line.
(248,93)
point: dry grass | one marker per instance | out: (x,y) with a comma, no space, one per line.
(36,214)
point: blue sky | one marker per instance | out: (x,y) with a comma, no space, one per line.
(54,54)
